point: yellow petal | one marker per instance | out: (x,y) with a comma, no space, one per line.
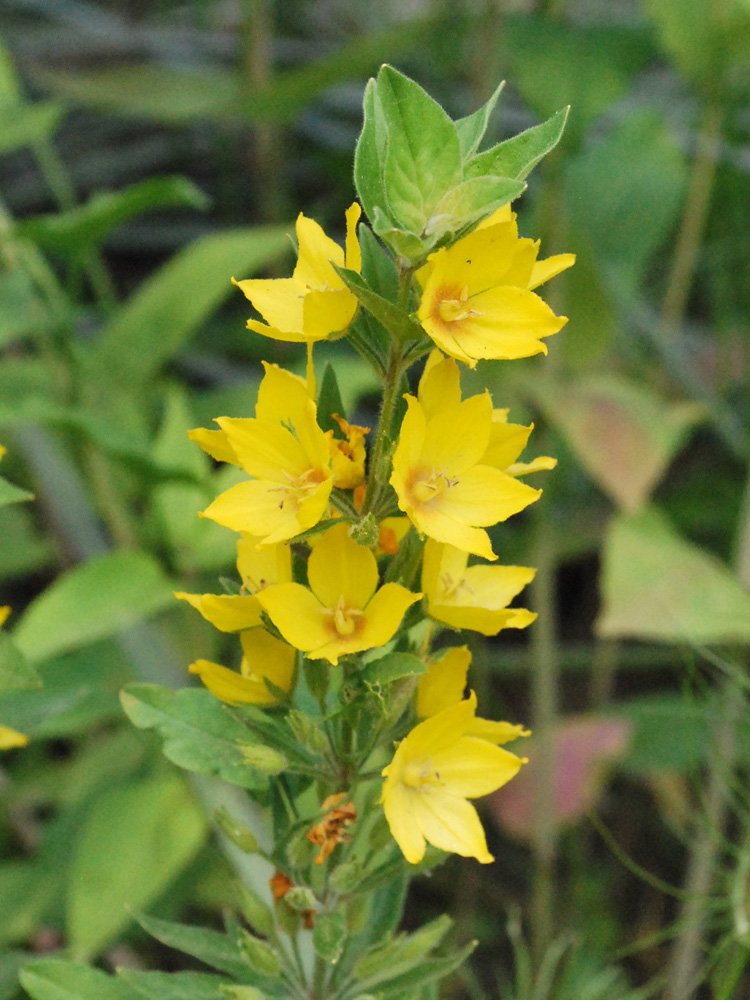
(10,738)
(545,269)
(439,387)
(297,614)
(267,657)
(384,613)
(231,687)
(278,300)
(260,567)
(484,496)
(265,450)
(316,250)
(506,443)
(226,612)
(282,396)
(433,522)
(339,567)
(4,612)
(457,437)
(451,824)
(215,443)
(496,732)
(473,767)
(479,619)
(353,252)
(398,809)
(540,464)
(443,684)
(327,311)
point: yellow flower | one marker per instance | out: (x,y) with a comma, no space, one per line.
(314,303)
(435,770)
(477,299)
(348,455)
(440,476)
(264,658)
(285,453)
(343,611)
(473,597)
(258,568)
(9,737)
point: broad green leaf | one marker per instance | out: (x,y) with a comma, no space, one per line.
(517,156)
(656,585)
(56,979)
(25,549)
(423,157)
(471,129)
(177,299)
(12,494)
(669,733)
(629,221)
(329,935)
(134,840)
(378,266)
(369,155)
(27,124)
(471,201)
(174,985)
(91,601)
(399,955)
(16,673)
(430,970)
(220,951)
(28,890)
(198,731)
(623,433)
(392,667)
(391,317)
(76,232)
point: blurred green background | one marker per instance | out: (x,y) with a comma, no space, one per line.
(149,151)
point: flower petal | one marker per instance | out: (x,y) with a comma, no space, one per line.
(484,496)
(316,250)
(398,806)
(339,567)
(443,684)
(439,387)
(214,443)
(543,270)
(297,614)
(226,612)
(473,767)
(327,311)
(451,824)
(278,300)
(265,656)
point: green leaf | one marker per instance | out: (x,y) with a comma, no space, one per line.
(217,950)
(29,890)
(669,733)
(11,963)
(329,936)
(517,156)
(56,979)
(657,585)
(16,673)
(392,667)
(133,842)
(198,731)
(623,433)
(471,201)
(431,970)
(21,307)
(369,155)
(97,599)
(329,401)
(397,958)
(423,156)
(400,325)
(174,985)
(176,300)
(12,494)
(76,232)
(378,266)
(27,124)
(471,129)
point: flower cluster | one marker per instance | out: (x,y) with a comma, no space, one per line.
(326,567)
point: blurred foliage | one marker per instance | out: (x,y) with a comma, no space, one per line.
(149,151)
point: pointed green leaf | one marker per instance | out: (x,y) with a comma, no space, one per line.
(56,979)
(517,156)
(400,325)
(76,232)
(174,985)
(28,124)
(176,300)
(12,494)
(329,401)
(471,129)
(92,601)
(198,731)
(392,667)
(369,155)
(132,843)
(659,586)
(423,157)
(220,951)
(394,958)
(378,266)
(470,202)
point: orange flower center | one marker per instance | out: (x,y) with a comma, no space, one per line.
(451,305)
(298,488)
(420,776)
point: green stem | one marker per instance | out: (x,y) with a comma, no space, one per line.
(378,474)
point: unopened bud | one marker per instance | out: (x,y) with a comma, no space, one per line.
(263,758)
(240,835)
(260,954)
(300,898)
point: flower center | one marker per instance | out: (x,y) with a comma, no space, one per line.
(298,488)
(428,488)
(343,619)
(450,588)
(453,305)
(420,776)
